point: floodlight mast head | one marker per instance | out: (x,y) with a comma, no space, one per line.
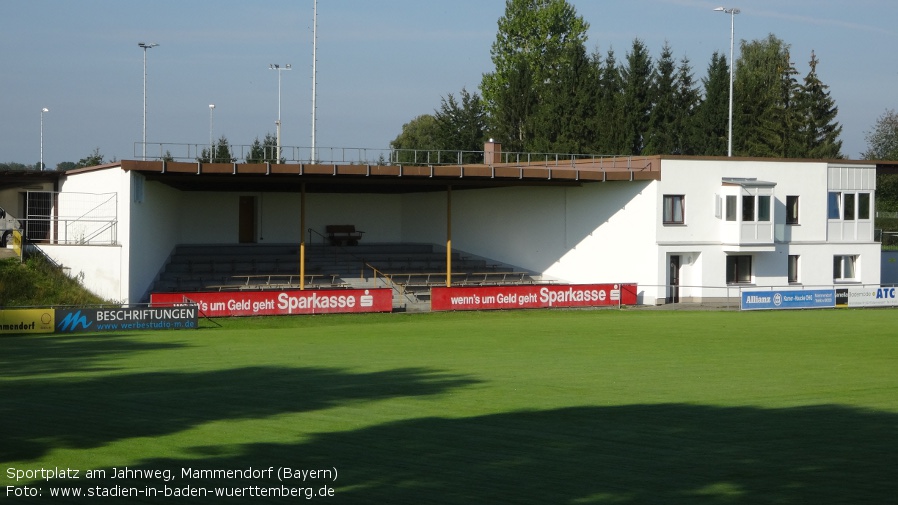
(146,46)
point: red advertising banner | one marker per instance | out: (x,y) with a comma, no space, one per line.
(278,303)
(532,296)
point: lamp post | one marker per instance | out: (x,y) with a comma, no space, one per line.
(732,11)
(42,136)
(145,46)
(277,67)
(211,111)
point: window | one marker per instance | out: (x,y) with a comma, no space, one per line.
(731,208)
(834,206)
(763,207)
(863,205)
(792,209)
(793,268)
(748,208)
(674,206)
(845,268)
(738,269)
(849,207)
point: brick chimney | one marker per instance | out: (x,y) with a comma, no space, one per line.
(492,152)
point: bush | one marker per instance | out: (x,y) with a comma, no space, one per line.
(38,282)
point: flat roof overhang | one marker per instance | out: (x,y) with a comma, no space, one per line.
(342,178)
(25,178)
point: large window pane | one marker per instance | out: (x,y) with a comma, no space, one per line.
(844,268)
(748,208)
(849,207)
(793,268)
(763,208)
(792,209)
(834,211)
(674,211)
(731,208)
(863,206)
(738,269)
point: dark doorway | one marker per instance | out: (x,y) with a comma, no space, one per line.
(673,280)
(247,220)
(38,212)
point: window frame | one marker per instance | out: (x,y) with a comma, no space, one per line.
(863,208)
(749,204)
(840,272)
(670,215)
(735,269)
(834,205)
(792,209)
(731,208)
(793,269)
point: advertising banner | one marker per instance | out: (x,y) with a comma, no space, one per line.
(279,303)
(26,321)
(875,296)
(532,296)
(767,299)
(119,319)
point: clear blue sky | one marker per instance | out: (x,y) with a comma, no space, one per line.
(380,64)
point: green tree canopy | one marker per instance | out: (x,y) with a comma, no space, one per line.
(533,44)
(764,82)
(817,129)
(221,153)
(419,134)
(460,126)
(713,113)
(264,151)
(93,159)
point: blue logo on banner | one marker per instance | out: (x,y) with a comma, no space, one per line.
(790,299)
(72,320)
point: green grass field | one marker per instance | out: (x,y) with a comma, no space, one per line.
(546,407)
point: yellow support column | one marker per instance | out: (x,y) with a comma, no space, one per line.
(449,236)
(302,238)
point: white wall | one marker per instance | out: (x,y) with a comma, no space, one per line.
(576,234)
(811,239)
(103,267)
(106,269)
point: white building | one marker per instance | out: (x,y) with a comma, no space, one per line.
(682,228)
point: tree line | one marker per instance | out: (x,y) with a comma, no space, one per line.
(548,94)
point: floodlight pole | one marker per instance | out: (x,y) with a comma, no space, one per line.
(145,47)
(314,156)
(277,67)
(211,117)
(42,136)
(732,11)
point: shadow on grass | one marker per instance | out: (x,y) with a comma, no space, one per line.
(22,356)
(670,454)
(39,414)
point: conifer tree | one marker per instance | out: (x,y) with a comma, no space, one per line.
(713,112)
(818,132)
(659,137)
(637,97)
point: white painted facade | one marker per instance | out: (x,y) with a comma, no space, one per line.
(601,232)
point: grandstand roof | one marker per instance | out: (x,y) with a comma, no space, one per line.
(392,178)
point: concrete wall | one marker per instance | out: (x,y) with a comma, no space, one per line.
(107,271)
(101,268)
(572,234)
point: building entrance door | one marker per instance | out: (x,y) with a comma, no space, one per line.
(673,280)
(247,220)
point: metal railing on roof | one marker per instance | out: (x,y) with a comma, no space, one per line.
(370,156)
